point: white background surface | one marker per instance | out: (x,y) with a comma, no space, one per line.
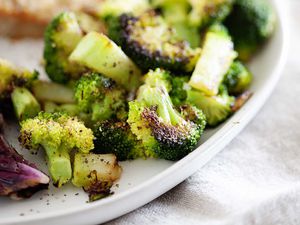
(256,179)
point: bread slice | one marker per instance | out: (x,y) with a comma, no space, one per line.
(28,18)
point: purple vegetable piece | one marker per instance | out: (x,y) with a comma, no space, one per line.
(18,177)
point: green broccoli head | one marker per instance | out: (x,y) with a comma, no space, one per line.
(207,12)
(164,132)
(12,76)
(216,108)
(116,137)
(151,43)
(101,97)
(179,89)
(238,78)
(61,37)
(58,134)
(251,23)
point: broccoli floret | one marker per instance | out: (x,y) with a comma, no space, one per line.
(165,133)
(61,37)
(207,12)
(216,108)
(95,174)
(179,89)
(237,79)
(180,22)
(25,104)
(12,76)
(114,8)
(215,60)
(100,97)
(100,54)
(151,43)
(116,137)
(58,134)
(251,23)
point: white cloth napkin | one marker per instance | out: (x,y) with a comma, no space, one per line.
(256,179)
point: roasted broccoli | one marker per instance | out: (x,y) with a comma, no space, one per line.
(164,132)
(251,23)
(58,134)
(97,52)
(25,104)
(95,173)
(116,137)
(216,108)
(100,97)
(207,12)
(237,79)
(12,76)
(180,22)
(151,43)
(215,60)
(179,89)
(114,8)
(61,37)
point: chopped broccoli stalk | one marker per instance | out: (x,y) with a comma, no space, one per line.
(12,76)
(99,53)
(61,37)
(95,173)
(45,91)
(70,109)
(251,23)
(116,137)
(165,133)
(58,134)
(100,97)
(207,12)
(215,60)
(237,79)
(151,43)
(114,8)
(216,108)
(25,104)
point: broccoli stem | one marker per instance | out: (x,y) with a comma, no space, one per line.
(52,92)
(97,52)
(25,104)
(160,98)
(59,165)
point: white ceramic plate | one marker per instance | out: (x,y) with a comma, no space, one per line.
(142,181)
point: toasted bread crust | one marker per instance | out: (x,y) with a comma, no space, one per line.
(28,18)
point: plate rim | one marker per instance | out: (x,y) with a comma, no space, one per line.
(216,143)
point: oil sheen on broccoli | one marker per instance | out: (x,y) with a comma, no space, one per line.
(251,23)
(165,132)
(100,97)
(151,43)
(58,134)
